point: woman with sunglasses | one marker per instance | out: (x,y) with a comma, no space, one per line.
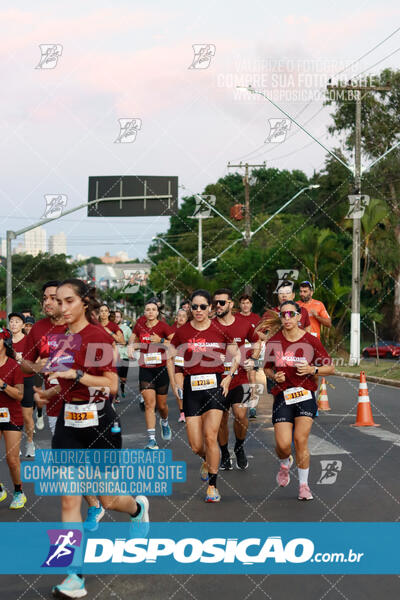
(200,347)
(293,360)
(11,418)
(152,336)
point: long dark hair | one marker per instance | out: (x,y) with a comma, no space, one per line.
(87,295)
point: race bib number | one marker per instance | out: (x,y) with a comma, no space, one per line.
(179,362)
(314,334)
(203,382)
(4,415)
(296,394)
(154,358)
(81,415)
(227,368)
(53,381)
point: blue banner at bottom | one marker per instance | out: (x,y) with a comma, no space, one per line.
(201,548)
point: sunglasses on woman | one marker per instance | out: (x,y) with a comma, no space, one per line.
(199,306)
(288,314)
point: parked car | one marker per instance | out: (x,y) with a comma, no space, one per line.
(385,350)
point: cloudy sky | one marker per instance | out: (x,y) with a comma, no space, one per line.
(125,60)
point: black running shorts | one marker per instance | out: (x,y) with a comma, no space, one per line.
(154,378)
(239,394)
(284,413)
(27,400)
(97,437)
(196,403)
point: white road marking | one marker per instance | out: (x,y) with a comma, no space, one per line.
(318,446)
(382,434)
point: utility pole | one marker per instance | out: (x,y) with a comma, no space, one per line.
(355,324)
(247,215)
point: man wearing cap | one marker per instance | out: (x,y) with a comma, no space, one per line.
(285,292)
(315,308)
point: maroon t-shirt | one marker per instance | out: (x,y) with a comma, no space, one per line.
(284,355)
(19,348)
(112,327)
(202,351)
(240,332)
(41,342)
(252,318)
(11,374)
(158,351)
(90,351)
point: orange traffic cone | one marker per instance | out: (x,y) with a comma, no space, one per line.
(364,412)
(323,402)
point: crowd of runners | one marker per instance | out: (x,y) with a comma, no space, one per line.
(72,366)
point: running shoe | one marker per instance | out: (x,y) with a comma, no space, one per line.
(252,413)
(40,422)
(241,458)
(305,492)
(94,515)
(166,433)
(141,522)
(226,463)
(116,400)
(18,501)
(283,476)
(30,450)
(123,395)
(213,494)
(204,471)
(182,418)
(72,587)
(151,445)
(3,493)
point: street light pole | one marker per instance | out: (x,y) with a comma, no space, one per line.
(11,235)
(200,245)
(355,288)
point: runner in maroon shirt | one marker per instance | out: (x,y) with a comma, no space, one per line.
(180,319)
(16,323)
(294,359)
(111,328)
(152,337)
(200,353)
(88,419)
(246,305)
(38,345)
(11,419)
(239,330)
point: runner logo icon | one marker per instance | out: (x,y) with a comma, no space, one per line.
(63,543)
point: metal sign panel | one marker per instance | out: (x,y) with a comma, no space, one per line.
(202,211)
(133,196)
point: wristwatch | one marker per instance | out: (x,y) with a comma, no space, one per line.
(3,387)
(79,375)
(316,371)
(162,340)
(257,363)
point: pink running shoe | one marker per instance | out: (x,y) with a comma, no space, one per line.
(182,418)
(283,476)
(305,492)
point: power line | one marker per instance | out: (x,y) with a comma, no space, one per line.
(377,63)
(367,53)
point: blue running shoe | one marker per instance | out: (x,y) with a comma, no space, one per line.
(72,587)
(141,522)
(94,515)
(151,445)
(166,432)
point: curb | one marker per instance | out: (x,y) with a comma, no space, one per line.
(371,378)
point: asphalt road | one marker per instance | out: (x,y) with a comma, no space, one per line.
(362,485)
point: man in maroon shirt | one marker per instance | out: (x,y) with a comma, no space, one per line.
(240,330)
(39,341)
(246,305)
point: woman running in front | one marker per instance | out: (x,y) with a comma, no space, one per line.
(200,351)
(11,418)
(87,419)
(152,336)
(293,360)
